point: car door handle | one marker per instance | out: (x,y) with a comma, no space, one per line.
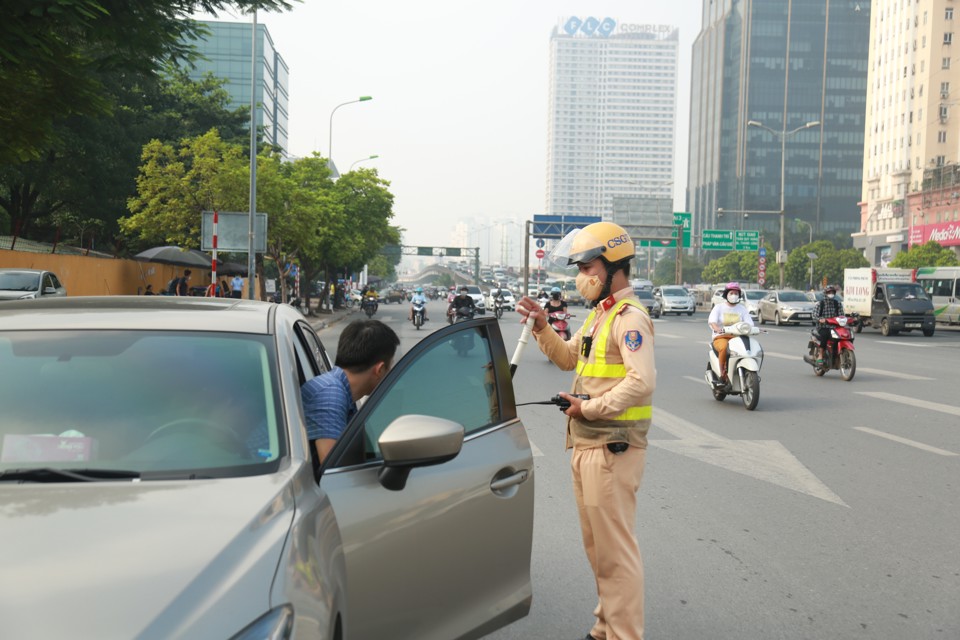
(500,484)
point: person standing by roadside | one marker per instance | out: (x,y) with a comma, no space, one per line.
(236,287)
(614,362)
(183,285)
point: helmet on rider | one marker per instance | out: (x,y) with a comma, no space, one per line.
(418,290)
(464,290)
(732,293)
(555,293)
(830,289)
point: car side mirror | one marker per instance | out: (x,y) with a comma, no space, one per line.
(49,291)
(416,441)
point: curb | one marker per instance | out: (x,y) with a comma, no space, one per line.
(331,319)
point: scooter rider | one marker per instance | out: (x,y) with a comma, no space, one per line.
(555,303)
(418,297)
(728,312)
(462,300)
(614,360)
(829,307)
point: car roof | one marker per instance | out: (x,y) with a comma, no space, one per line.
(153,313)
(18,270)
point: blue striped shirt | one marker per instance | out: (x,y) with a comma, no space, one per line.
(327,404)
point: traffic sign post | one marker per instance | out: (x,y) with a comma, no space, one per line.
(540,254)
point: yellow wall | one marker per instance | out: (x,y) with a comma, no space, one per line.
(89,276)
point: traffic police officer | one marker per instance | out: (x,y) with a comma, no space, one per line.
(613,357)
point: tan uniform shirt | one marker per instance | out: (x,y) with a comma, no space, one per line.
(609,397)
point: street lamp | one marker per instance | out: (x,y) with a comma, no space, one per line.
(330,138)
(783,174)
(812,257)
(809,226)
(361,160)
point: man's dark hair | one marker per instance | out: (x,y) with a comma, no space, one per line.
(364,343)
(186,272)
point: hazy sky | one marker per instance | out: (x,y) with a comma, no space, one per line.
(459,110)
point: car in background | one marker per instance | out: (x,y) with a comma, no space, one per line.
(571,295)
(651,303)
(751,300)
(259,538)
(477,296)
(509,301)
(785,306)
(675,299)
(29,284)
(387,296)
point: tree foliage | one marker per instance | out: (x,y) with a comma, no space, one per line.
(740,266)
(828,265)
(55,54)
(931,254)
(91,172)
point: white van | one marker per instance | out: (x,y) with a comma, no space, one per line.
(942,284)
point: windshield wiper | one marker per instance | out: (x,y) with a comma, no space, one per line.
(50,474)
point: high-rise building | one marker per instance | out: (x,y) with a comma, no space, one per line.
(777,100)
(910,156)
(612,114)
(226,54)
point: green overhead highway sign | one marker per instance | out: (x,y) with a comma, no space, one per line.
(729,240)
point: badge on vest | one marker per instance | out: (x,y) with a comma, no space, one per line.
(633,340)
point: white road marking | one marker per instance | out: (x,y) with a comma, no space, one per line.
(669,335)
(878,372)
(766,460)
(535,449)
(692,379)
(909,443)
(922,345)
(913,402)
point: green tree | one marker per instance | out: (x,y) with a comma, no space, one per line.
(666,270)
(931,254)
(176,185)
(829,264)
(740,266)
(91,172)
(55,54)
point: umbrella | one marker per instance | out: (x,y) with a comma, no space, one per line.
(175,256)
(223,268)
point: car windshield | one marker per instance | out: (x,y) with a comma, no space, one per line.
(792,296)
(906,291)
(19,281)
(674,292)
(755,295)
(200,404)
(643,294)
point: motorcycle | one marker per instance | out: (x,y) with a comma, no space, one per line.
(369,306)
(498,307)
(558,320)
(418,314)
(463,342)
(745,355)
(838,353)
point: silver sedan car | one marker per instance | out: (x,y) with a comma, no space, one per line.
(165,487)
(29,284)
(785,306)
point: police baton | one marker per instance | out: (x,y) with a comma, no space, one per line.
(524,337)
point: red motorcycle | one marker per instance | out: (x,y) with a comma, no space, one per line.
(838,353)
(558,320)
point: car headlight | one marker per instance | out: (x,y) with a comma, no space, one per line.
(29,296)
(896,312)
(276,624)
(928,312)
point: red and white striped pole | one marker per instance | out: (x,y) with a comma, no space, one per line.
(213,267)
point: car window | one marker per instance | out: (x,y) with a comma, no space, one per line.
(451,379)
(138,400)
(792,296)
(311,356)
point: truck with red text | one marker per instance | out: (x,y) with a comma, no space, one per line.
(888,299)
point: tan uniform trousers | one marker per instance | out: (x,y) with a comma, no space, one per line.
(605,486)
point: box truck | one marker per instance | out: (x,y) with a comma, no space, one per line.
(888,299)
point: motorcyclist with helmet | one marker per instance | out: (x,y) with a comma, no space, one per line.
(460,301)
(555,303)
(614,361)
(828,307)
(418,297)
(728,312)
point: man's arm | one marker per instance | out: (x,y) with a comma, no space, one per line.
(323,446)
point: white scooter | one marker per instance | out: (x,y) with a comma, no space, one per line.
(745,355)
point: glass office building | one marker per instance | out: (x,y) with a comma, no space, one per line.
(226,54)
(611,116)
(774,76)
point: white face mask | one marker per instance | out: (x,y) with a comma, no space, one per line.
(830,296)
(733,298)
